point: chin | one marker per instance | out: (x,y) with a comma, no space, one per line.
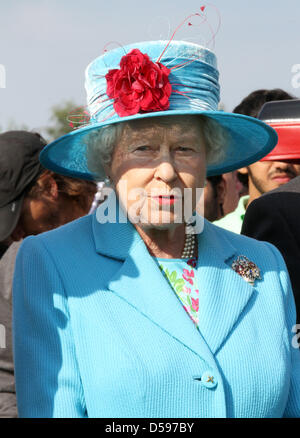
(159,224)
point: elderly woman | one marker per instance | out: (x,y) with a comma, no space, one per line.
(124,313)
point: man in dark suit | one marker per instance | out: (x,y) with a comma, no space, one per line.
(275,218)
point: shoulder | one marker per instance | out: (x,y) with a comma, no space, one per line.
(279,196)
(261,251)
(62,250)
(76,229)
(234,239)
(265,255)
(62,239)
(265,202)
(261,214)
(274,207)
(291,186)
(66,257)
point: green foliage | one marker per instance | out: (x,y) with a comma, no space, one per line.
(59,118)
(65,117)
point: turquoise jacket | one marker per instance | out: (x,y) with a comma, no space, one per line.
(99,332)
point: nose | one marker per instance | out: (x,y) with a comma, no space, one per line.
(282,165)
(165,171)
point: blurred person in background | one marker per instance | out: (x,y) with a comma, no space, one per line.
(268,173)
(234,188)
(221,195)
(214,193)
(32,200)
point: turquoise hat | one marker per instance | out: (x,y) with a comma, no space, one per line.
(157,78)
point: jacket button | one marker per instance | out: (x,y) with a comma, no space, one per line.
(209,380)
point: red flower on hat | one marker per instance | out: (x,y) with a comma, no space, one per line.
(139,85)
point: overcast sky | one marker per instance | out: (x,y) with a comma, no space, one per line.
(45,46)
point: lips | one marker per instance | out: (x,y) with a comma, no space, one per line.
(282,178)
(162,199)
(166,199)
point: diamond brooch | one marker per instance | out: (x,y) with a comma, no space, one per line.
(248,270)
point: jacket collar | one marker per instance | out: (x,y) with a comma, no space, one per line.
(115,240)
(223,294)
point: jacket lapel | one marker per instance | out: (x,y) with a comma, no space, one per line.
(139,282)
(223,294)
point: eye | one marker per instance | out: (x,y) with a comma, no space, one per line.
(184,149)
(143,148)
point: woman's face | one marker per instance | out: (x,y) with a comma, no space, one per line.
(157,165)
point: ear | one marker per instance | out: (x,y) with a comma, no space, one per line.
(53,188)
(221,191)
(243,170)
(49,186)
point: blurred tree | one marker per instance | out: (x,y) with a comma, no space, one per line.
(13,126)
(66,117)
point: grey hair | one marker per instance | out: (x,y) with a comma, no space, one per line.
(100,143)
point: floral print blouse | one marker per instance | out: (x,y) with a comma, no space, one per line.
(181,274)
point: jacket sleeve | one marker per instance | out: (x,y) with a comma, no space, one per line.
(48,381)
(292,408)
(270,218)
(262,221)
(265,220)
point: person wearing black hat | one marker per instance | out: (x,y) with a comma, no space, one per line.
(275,216)
(221,195)
(32,200)
(19,167)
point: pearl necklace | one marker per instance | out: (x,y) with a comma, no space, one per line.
(189,246)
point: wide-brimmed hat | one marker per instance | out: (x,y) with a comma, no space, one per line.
(284,117)
(19,167)
(158,78)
